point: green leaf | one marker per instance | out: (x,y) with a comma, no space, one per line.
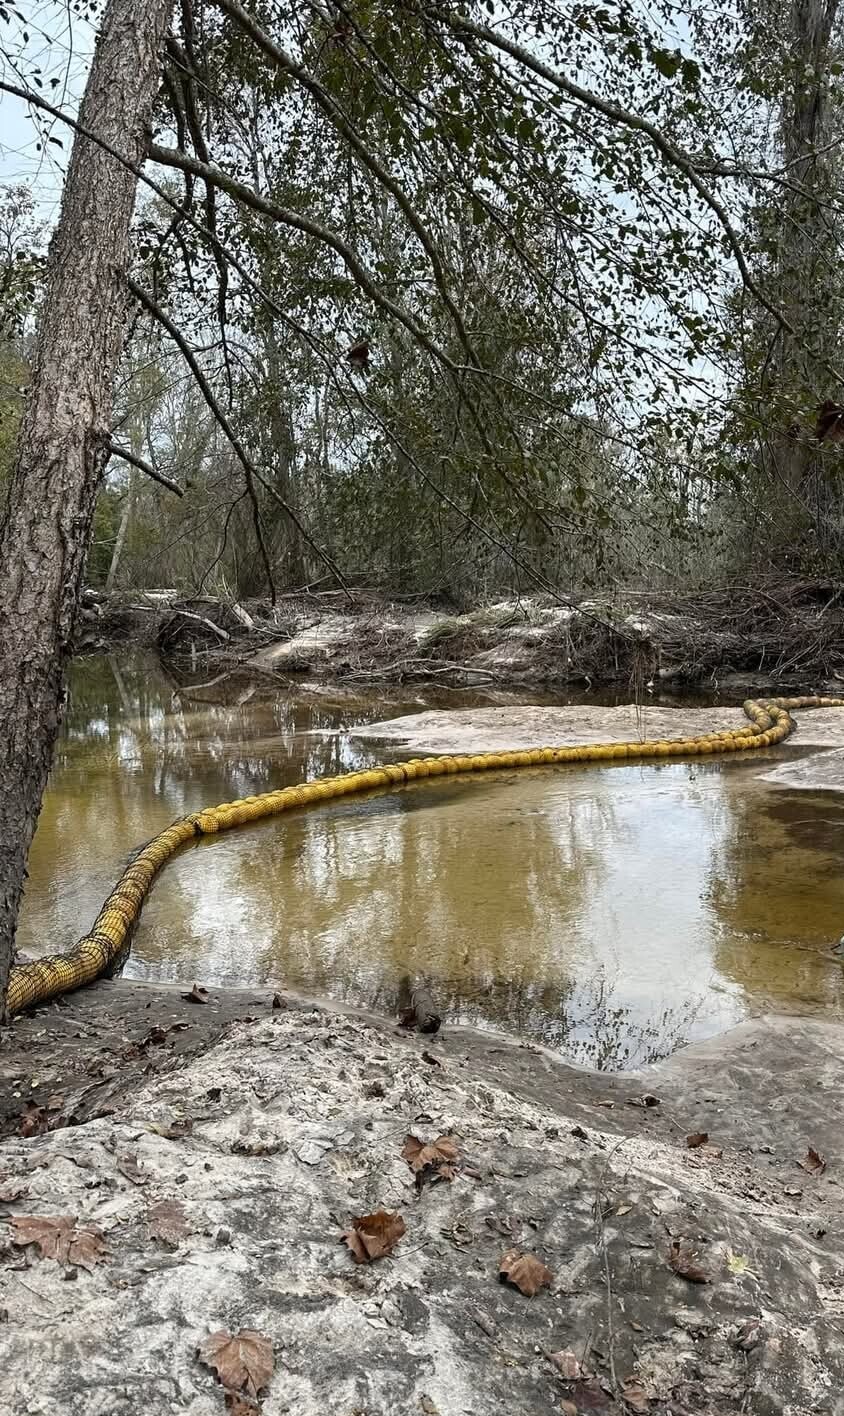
(666,61)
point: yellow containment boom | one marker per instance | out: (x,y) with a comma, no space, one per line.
(99,952)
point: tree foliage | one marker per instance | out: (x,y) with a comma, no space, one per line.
(590,251)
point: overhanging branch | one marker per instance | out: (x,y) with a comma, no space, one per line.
(115,450)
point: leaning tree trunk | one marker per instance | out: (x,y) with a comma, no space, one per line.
(46,526)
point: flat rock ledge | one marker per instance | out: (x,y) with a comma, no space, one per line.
(684,1280)
(510,728)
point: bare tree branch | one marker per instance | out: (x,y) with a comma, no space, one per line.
(115,450)
(251,472)
(463,26)
(332,110)
(210,172)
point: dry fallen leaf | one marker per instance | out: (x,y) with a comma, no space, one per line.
(239,1405)
(525,1271)
(243,1361)
(431,1059)
(591,1396)
(34,1120)
(278,1001)
(646,1101)
(434,1161)
(634,1395)
(568,1408)
(130,1166)
(738,1263)
(685,1262)
(814,1163)
(198,994)
(567,1364)
(167,1220)
(697,1138)
(58,1238)
(372,1236)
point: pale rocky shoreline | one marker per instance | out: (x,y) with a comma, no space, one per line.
(264,1145)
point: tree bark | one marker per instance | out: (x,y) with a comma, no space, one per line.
(46,524)
(808,244)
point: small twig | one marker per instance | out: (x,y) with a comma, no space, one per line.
(35,1293)
(602,1244)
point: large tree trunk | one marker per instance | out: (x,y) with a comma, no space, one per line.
(808,239)
(47,522)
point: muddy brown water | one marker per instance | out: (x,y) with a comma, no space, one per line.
(612,912)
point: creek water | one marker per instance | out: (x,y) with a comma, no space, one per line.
(612,912)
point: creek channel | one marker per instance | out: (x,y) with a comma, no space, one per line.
(612,912)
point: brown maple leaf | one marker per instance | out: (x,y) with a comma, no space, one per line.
(685,1261)
(814,1163)
(58,1238)
(373,1235)
(243,1361)
(525,1271)
(436,1160)
(167,1220)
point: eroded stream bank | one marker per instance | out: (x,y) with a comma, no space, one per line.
(777,637)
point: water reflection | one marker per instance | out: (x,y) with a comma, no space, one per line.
(776,890)
(611,912)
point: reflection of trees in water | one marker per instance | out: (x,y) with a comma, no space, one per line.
(580,1020)
(128,713)
(341,901)
(480,904)
(776,882)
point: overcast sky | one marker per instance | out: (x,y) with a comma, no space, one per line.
(54,47)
